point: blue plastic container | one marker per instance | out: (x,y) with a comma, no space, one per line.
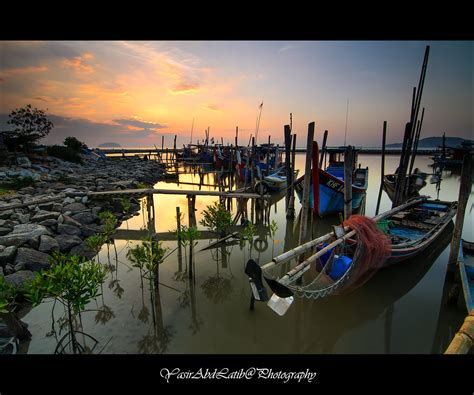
(339,267)
(324,258)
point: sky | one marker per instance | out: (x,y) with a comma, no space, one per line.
(135,92)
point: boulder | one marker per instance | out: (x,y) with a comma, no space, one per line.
(48,244)
(74,207)
(85,218)
(31,259)
(20,217)
(65,229)
(7,254)
(82,250)
(42,215)
(67,220)
(5,214)
(4,231)
(23,233)
(66,242)
(19,279)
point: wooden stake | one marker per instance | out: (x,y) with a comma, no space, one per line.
(307,183)
(348,169)
(323,149)
(382,170)
(287,136)
(464,192)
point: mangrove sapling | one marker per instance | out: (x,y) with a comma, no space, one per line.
(95,243)
(74,282)
(217,218)
(273,230)
(147,257)
(8,310)
(247,236)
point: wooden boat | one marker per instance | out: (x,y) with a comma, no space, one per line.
(468,247)
(331,185)
(274,182)
(345,262)
(416,182)
(466,271)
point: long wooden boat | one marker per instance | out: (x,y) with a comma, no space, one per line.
(466,271)
(340,264)
(274,182)
(331,187)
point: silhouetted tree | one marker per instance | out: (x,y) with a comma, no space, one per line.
(29,125)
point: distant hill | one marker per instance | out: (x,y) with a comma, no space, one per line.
(109,145)
(433,142)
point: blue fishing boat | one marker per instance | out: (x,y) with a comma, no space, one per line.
(331,185)
(466,271)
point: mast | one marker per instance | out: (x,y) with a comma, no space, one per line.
(347,114)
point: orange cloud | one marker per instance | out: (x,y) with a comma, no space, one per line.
(184,88)
(24,70)
(211,107)
(78,64)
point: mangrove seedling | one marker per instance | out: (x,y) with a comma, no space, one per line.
(147,257)
(247,235)
(110,222)
(217,218)
(74,282)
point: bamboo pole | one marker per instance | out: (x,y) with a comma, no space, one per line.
(315,178)
(464,192)
(417,139)
(323,149)
(287,136)
(348,169)
(307,182)
(382,170)
(290,213)
(464,338)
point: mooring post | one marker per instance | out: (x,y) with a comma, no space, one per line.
(348,169)
(191,223)
(178,228)
(323,149)
(464,192)
(382,170)
(290,213)
(315,180)
(287,136)
(307,184)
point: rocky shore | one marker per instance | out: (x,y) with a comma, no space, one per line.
(60,215)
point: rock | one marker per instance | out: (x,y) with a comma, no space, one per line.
(84,199)
(31,259)
(22,218)
(89,230)
(48,244)
(23,233)
(5,214)
(42,215)
(66,242)
(23,161)
(9,269)
(57,207)
(46,206)
(85,218)
(7,255)
(1,272)
(49,222)
(19,279)
(68,230)
(74,207)
(82,250)
(70,221)
(69,200)
(96,210)
(4,231)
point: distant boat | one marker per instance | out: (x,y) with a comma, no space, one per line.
(466,271)
(331,185)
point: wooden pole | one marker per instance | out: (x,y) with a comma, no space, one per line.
(236,137)
(315,178)
(287,136)
(290,212)
(417,139)
(323,148)
(464,192)
(178,228)
(382,170)
(348,169)
(307,183)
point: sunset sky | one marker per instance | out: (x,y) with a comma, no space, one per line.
(134,92)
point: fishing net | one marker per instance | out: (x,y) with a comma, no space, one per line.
(368,251)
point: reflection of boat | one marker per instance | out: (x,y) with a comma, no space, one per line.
(346,262)
(331,185)
(416,182)
(466,271)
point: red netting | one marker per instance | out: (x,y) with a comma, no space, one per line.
(374,249)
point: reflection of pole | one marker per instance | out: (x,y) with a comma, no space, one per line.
(178,227)
(388,328)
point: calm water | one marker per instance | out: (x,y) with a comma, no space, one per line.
(400,310)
